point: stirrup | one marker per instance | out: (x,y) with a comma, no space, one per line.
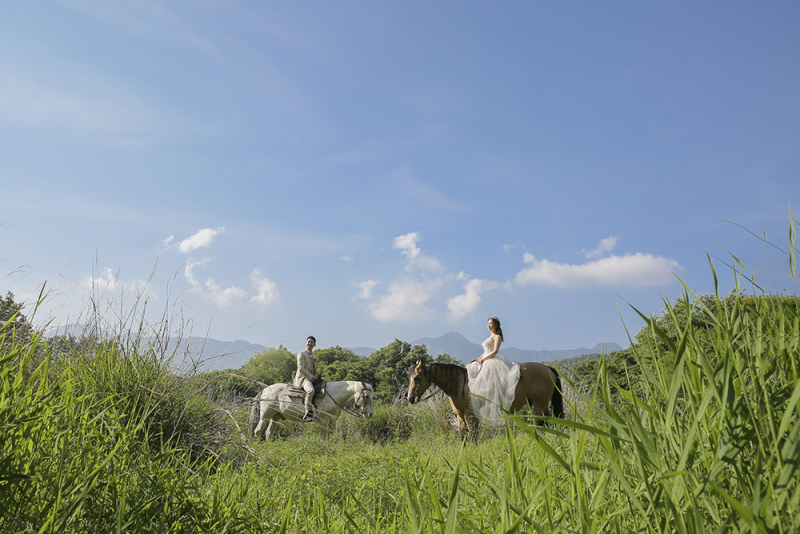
(310,417)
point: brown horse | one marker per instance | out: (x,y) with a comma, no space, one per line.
(539,385)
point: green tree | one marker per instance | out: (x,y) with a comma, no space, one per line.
(651,350)
(225,385)
(19,329)
(386,369)
(271,366)
(390,366)
(337,363)
(446,358)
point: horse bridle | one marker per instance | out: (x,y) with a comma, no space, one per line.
(431,394)
(348,410)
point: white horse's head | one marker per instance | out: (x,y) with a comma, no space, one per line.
(364,400)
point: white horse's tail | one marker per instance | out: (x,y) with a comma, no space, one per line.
(253,421)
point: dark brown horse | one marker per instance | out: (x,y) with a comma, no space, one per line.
(539,385)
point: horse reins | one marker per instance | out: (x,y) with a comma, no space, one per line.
(353,412)
(437,390)
(430,395)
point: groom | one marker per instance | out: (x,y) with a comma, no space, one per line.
(306,376)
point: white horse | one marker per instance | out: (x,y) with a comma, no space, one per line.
(272,404)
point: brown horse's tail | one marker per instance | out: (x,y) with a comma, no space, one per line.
(557,400)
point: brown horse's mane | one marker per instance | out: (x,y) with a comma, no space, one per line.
(449,377)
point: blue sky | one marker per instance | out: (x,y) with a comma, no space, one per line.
(364,171)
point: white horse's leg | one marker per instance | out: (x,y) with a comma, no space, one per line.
(326,425)
(260,424)
(268,434)
(323,433)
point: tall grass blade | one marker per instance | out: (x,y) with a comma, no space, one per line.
(452,503)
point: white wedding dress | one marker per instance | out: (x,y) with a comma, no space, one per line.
(496,380)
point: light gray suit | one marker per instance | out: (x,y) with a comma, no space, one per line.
(306,369)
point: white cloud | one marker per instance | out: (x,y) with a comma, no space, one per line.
(203,238)
(365,289)
(407,244)
(606,245)
(346,258)
(406,300)
(267,290)
(628,270)
(465,304)
(406,297)
(210,289)
(461,305)
(188,272)
(223,297)
(108,280)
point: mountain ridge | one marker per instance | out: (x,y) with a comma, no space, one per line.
(233,354)
(459,347)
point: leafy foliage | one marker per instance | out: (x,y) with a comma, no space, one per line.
(271,365)
(389,367)
(654,347)
(337,363)
(107,441)
(703,437)
(16,327)
(386,368)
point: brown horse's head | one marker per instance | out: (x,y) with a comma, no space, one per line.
(418,382)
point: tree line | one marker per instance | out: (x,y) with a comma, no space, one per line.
(653,348)
(386,369)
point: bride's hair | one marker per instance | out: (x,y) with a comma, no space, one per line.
(496,323)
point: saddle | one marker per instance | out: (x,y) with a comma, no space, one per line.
(294,391)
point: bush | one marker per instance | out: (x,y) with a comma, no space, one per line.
(108,440)
(140,389)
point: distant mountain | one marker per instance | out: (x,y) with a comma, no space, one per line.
(212,353)
(362,351)
(520,355)
(74,330)
(571,363)
(221,354)
(451,343)
(462,349)
(216,354)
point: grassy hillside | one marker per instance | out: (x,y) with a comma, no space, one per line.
(109,438)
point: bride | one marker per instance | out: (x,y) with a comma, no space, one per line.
(492,377)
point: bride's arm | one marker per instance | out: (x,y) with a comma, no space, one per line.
(495,348)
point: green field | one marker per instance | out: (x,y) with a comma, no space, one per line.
(695,428)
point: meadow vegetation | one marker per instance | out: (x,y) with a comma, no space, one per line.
(694,428)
